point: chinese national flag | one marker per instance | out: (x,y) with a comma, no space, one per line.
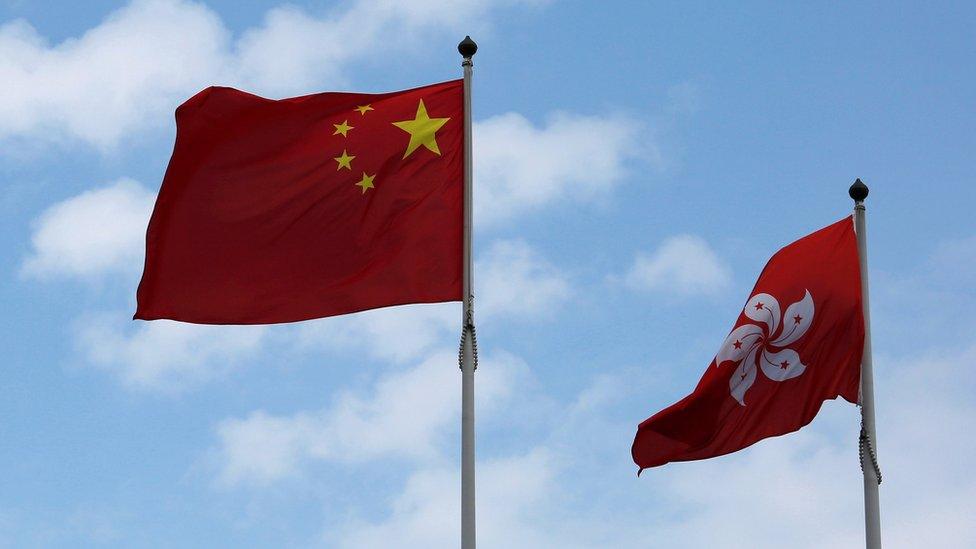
(279,211)
(797,343)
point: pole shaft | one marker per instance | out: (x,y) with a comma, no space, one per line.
(872,508)
(467,361)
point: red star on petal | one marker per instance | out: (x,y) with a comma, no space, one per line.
(785,364)
(737,344)
(797,319)
(759,306)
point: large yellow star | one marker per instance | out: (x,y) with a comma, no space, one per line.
(366,182)
(342,128)
(422,129)
(345,161)
(363,108)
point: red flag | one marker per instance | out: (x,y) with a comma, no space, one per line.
(797,343)
(278,211)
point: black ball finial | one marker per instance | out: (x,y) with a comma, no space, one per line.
(858,191)
(467,47)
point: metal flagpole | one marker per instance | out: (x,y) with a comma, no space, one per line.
(468,358)
(867,441)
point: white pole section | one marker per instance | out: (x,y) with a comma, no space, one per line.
(868,438)
(467,49)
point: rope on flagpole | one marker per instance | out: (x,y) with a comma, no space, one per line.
(467,328)
(864,443)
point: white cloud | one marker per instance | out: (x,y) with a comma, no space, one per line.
(118,76)
(97,231)
(512,280)
(803,493)
(293,50)
(523,499)
(407,414)
(131,71)
(163,355)
(925,405)
(520,167)
(394,333)
(262,448)
(426,513)
(683,264)
(803,490)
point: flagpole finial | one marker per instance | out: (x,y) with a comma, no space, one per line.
(858,191)
(467,48)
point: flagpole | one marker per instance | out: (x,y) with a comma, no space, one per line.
(468,358)
(868,438)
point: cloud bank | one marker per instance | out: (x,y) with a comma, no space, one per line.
(683,265)
(131,71)
(98,231)
(521,167)
(407,415)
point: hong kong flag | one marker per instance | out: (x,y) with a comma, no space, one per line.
(797,343)
(286,210)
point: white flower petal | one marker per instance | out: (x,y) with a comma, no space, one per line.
(763,308)
(747,336)
(796,321)
(782,365)
(743,377)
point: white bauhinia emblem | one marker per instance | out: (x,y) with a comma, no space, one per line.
(764,345)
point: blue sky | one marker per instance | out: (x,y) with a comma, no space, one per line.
(636,164)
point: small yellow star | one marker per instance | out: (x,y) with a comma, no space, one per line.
(342,128)
(363,108)
(366,182)
(345,161)
(422,130)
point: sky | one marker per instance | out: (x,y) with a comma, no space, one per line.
(636,163)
